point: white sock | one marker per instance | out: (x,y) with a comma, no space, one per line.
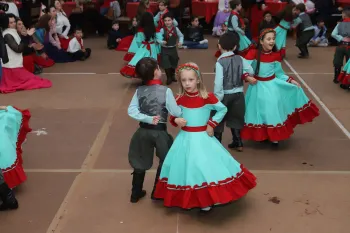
(205,41)
(206,208)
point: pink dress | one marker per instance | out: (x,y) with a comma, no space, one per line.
(14,76)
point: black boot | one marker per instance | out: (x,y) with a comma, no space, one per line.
(236,140)
(8,198)
(37,69)
(218,136)
(337,71)
(159,169)
(173,77)
(137,191)
(168,76)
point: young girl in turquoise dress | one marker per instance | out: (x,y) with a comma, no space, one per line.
(275,103)
(14,126)
(236,23)
(198,172)
(146,39)
(286,18)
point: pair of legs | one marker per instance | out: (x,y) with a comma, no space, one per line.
(195,45)
(6,196)
(80,55)
(302,42)
(341,52)
(141,151)
(169,60)
(234,119)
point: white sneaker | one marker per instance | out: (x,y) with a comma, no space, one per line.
(205,41)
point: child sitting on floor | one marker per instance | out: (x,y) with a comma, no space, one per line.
(114,36)
(319,39)
(194,38)
(76,47)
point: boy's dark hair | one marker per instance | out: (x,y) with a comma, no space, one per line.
(301,7)
(145,68)
(165,2)
(193,18)
(229,40)
(168,15)
(115,22)
(267,13)
(78,29)
(234,4)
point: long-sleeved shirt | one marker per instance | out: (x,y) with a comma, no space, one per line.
(61,22)
(339,38)
(234,22)
(219,77)
(317,36)
(171,106)
(159,15)
(179,35)
(74,45)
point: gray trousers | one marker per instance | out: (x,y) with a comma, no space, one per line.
(1,178)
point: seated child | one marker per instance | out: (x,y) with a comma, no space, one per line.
(114,36)
(268,21)
(222,29)
(320,39)
(76,47)
(194,38)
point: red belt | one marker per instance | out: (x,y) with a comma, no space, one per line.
(194,128)
(148,45)
(264,79)
(279,25)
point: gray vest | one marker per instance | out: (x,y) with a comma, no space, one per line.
(305,21)
(344,29)
(152,101)
(233,70)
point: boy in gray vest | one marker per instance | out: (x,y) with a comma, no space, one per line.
(342,34)
(305,29)
(150,106)
(230,71)
(7,196)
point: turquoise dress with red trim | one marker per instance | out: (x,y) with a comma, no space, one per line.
(198,171)
(14,126)
(149,48)
(274,106)
(344,76)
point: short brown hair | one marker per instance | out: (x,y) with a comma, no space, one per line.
(301,7)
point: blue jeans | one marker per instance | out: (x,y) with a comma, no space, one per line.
(194,45)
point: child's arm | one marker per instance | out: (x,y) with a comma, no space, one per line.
(134,111)
(156,19)
(248,72)
(180,35)
(234,21)
(3,108)
(220,109)
(335,34)
(171,104)
(175,23)
(296,22)
(219,81)
(279,73)
(160,37)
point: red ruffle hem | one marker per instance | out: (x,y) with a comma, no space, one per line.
(344,78)
(205,195)
(128,56)
(15,174)
(128,71)
(244,52)
(281,131)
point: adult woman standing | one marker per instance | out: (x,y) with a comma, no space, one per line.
(14,76)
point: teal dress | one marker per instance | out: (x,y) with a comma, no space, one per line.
(274,106)
(198,171)
(145,48)
(14,126)
(281,36)
(344,76)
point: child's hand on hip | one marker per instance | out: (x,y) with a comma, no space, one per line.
(181,122)
(251,80)
(295,83)
(210,131)
(155,120)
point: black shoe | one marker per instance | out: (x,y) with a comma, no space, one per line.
(169,79)
(137,191)
(37,69)
(9,201)
(275,144)
(173,77)
(236,140)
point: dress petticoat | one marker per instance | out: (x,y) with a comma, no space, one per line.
(14,127)
(274,106)
(344,76)
(18,79)
(198,171)
(145,49)
(220,18)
